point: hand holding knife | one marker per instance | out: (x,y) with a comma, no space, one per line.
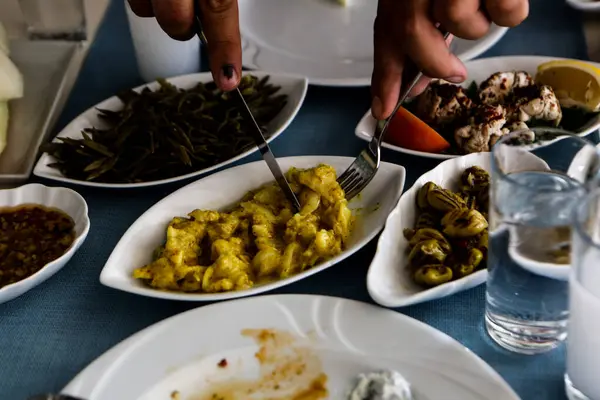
(257,134)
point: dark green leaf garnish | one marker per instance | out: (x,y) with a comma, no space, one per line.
(575,119)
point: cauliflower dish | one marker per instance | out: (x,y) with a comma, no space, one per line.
(473,119)
(260,239)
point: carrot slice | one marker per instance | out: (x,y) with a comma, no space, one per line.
(408,131)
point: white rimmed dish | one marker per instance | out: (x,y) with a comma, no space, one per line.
(348,337)
(294,87)
(329,44)
(388,280)
(477,70)
(585,5)
(66,200)
(148,232)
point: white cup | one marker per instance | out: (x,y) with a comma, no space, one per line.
(583,344)
(157,54)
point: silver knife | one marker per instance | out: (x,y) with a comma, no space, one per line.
(257,135)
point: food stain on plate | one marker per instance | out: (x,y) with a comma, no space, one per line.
(289,369)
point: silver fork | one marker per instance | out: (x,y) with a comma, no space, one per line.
(365,166)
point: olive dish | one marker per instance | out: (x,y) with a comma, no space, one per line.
(389,281)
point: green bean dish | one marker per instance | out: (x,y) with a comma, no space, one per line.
(449,239)
(167,132)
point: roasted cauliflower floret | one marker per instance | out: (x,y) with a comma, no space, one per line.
(510,127)
(443,103)
(486,122)
(495,89)
(535,103)
(183,241)
(323,180)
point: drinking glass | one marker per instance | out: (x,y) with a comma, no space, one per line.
(537,177)
(54,19)
(583,346)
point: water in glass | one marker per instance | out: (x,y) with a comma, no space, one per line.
(532,199)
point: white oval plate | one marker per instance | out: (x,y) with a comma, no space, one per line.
(137,244)
(388,282)
(330,44)
(585,5)
(66,200)
(477,70)
(181,353)
(294,87)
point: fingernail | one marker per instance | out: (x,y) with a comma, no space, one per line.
(456,79)
(376,107)
(228,74)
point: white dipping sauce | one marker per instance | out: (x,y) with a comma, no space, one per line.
(382,385)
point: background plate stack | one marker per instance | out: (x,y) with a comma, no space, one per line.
(49,68)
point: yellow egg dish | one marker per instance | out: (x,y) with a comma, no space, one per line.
(259,240)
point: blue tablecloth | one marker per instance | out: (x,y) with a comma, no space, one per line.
(49,334)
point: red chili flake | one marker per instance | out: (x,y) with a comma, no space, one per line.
(222,363)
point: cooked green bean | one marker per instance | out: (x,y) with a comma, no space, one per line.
(167,132)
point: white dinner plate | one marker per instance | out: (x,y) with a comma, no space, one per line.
(224,189)
(330,44)
(585,5)
(337,337)
(294,87)
(477,70)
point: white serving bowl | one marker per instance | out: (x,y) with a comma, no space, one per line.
(388,280)
(294,87)
(66,200)
(224,189)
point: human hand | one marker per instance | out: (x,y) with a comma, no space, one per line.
(220,23)
(407,30)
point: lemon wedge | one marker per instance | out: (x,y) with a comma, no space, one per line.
(575,83)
